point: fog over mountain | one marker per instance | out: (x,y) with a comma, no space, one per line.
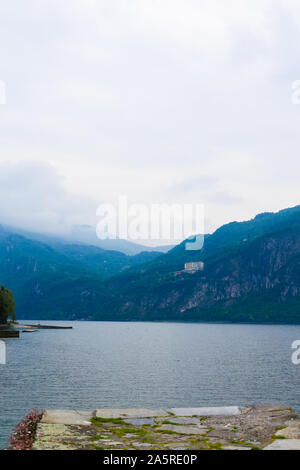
(165,102)
(86,234)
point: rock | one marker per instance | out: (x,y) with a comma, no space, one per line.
(182,420)
(229,428)
(140,421)
(235,448)
(51,430)
(284,444)
(129,413)
(277,411)
(183,429)
(112,443)
(292,431)
(142,444)
(207,411)
(67,417)
(56,436)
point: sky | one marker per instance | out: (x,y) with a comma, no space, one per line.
(163,101)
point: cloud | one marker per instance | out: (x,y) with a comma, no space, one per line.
(34,197)
(173,101)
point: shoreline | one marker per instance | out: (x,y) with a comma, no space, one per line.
(185,322)
(17,326)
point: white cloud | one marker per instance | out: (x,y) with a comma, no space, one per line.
(33,197)
(147,98)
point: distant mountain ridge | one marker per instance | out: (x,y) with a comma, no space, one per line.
(86,235)
(32,269)
(251,274)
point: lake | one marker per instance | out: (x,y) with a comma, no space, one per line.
(130,365)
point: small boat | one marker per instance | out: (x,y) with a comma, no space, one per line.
(28,331)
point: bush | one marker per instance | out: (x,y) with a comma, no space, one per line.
(22,437)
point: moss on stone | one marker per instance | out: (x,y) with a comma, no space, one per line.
(97,421)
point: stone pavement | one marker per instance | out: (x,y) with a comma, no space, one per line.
(228,428)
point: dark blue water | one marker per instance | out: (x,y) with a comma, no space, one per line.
(116,365)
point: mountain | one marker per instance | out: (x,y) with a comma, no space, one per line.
(251,274)
(86,235)
(42,276)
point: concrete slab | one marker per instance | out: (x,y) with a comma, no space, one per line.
(67,417)
(183,429)
(236,448)
(187,420)
(142,444)
(292,431)
(130,413)
(207,411)
(140,421)
(56,436)
(112,443)
(284,444)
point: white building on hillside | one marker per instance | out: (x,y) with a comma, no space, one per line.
(193,267)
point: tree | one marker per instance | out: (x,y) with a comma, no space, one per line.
(7,305)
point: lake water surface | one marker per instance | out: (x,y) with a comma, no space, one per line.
(129,365)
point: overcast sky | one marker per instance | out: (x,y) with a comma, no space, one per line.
(165,101)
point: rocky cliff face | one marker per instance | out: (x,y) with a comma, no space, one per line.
(259,277)
(269,265)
